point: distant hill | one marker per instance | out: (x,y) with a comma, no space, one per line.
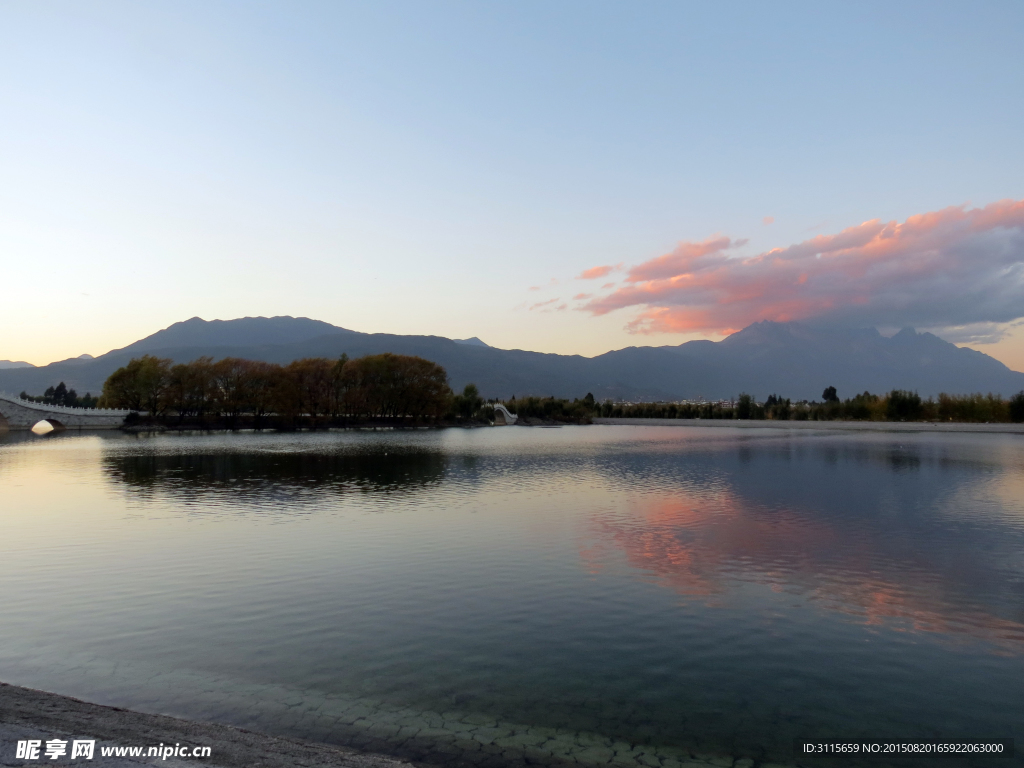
(791,359)
(7,364)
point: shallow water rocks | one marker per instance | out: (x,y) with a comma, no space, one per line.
(426,736)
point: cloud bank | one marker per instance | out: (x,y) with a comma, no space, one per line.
(954,268)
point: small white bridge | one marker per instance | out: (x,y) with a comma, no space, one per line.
(16,413)
(502,416)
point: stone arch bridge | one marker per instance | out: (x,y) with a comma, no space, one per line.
(16,413)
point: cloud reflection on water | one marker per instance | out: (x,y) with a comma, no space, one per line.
(914,537)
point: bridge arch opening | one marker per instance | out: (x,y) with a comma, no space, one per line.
(46,426)
(4,426)
(502,416)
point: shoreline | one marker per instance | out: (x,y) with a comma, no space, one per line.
(851,426)
(26,713)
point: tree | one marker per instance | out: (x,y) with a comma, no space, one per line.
(391,385)
(190,387)
(261,387)
(777,407)
(311,383)
(138,386)
(230,385)
(469,402)
(1017,407)
(339,387)
(830,395)
(903,406)
(745,407)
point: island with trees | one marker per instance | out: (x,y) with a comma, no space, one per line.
(397,390)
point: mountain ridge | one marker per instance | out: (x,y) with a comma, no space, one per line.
(791,359)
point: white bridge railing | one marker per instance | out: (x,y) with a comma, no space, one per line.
(17,400)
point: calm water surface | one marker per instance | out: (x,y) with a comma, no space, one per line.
(585,594)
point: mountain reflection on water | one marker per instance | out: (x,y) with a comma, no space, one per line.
(712,590)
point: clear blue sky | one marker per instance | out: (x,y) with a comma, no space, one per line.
(418,167)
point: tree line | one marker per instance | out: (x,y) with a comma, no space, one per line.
(897,405)
(310,390)
(390,386)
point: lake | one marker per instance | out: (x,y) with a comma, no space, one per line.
(590,595)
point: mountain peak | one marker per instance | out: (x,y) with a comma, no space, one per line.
(472,341)
(763,332)
(241,332)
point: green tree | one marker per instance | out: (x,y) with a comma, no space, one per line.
(469,402)
(830,395)
(138,386)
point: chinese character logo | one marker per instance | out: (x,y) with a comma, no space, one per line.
(56,748)
(29,750)
(82,749)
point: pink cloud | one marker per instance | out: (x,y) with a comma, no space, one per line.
(946,268)
(606,286)
(768,220)
(581,296)
(534,287)
(594,272)
(685,257)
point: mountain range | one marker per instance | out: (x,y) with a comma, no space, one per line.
(791,359)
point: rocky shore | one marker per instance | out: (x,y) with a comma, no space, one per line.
(474,740)
(29,714)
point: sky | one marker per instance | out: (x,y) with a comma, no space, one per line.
(562,177)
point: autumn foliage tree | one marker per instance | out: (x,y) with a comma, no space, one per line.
(141,385)
(315,389)
(396,385)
